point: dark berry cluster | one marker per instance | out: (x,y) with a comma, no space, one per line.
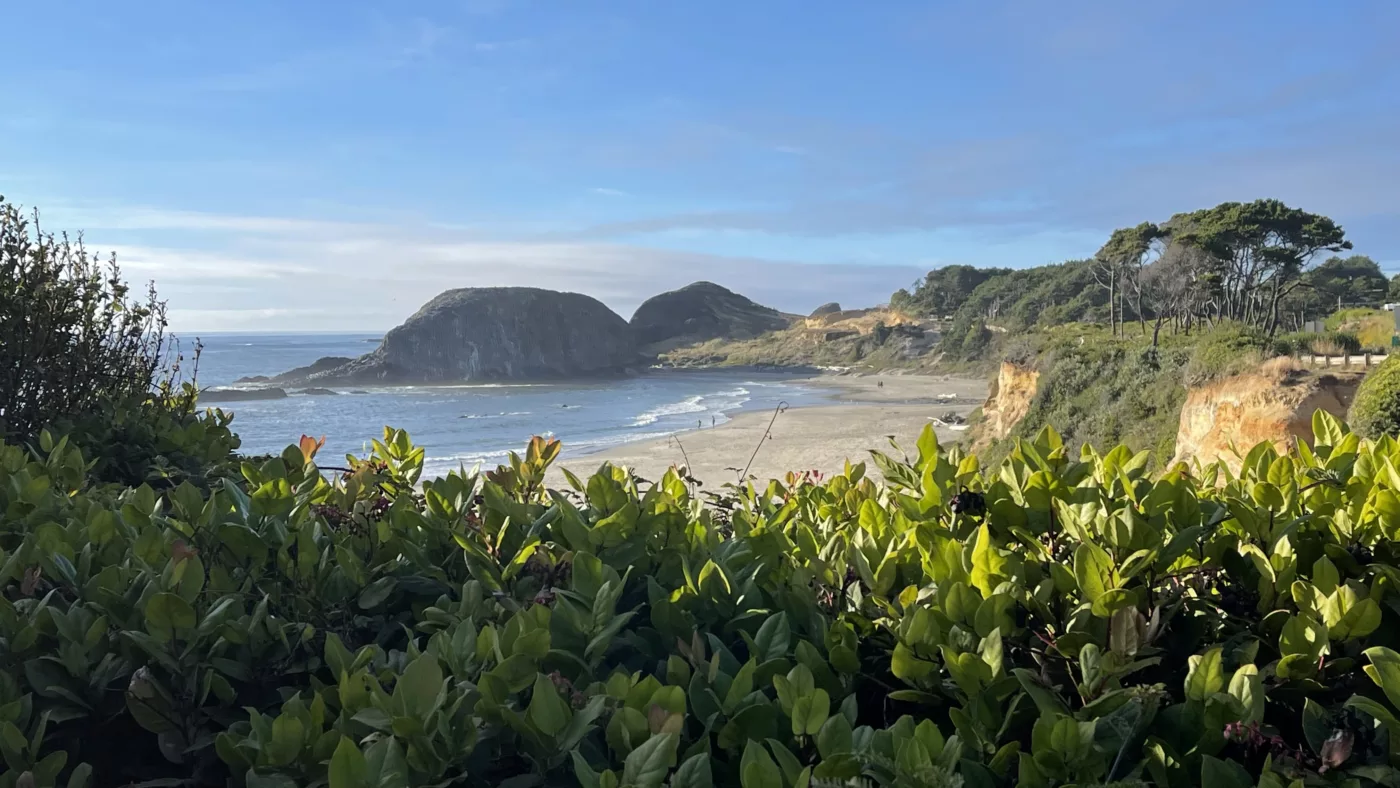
(970,503)
(334,516)
(1361,554)
(379,507)
(1238,600)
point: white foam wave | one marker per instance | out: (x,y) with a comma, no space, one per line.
(687,405)
(496,415)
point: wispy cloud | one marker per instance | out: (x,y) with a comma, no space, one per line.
(332,275)
(610,192)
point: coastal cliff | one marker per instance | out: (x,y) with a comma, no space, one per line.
(1008,402)
(1274,404)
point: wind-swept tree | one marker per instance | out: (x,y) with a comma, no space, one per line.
(1118,267)
(1259,251)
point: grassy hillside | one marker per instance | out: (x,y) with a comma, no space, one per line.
(879,339)
(1101,389)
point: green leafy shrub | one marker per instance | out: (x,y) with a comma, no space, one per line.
(1376,409)
(1225,351)
(1057,620)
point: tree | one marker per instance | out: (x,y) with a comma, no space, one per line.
(1259,251)
(1118,268)
(71,340)
(1337,283)
(943,290)
(1173,287)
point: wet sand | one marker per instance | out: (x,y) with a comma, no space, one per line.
(817,437)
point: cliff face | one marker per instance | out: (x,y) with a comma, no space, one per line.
(1275,404)
(700,312)
(1009,401)
(496,333)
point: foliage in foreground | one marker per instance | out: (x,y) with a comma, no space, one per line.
(1057,620)
(1376,409)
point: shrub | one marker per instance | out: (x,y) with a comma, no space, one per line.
(1225,351)
(73,339)
(84,356)
(1376,409)
(1065,618)
(1338,343)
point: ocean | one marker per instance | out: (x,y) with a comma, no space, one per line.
(466,425)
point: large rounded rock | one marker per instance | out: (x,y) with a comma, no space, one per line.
(700,312)
(497,333)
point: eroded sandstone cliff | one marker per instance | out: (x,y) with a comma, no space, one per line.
(1224,419)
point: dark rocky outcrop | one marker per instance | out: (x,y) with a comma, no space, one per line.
(700,312)
(318,392)
(323,364)
(494,333)
(826,309)
(240,395)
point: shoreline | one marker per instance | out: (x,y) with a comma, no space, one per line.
(861,415)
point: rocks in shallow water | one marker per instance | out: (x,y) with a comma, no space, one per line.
(491,333)
(300,373)
(316,392)
(240,395)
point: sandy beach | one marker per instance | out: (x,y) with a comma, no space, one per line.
(862,416)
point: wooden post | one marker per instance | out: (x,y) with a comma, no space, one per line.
(1368,359)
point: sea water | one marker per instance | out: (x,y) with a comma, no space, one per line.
(470,424)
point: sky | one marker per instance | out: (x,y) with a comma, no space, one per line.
(330,165)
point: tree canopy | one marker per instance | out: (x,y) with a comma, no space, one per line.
(1236,262)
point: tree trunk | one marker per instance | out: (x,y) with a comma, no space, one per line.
(1156,331)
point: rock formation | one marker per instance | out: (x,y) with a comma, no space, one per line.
(300,373)
(700,312)
(212,396)
(1274,404)
(494,333)
(1008,402)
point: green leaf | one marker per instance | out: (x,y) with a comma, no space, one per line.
(165,613)
(1113,600)
(1204,676)
(772,639)
(1317,724)
(1385,671)
(548,712)
(988,563)
(1093,569)
(287,737)
(694,772)
(81,776)
(834,737)
(1224,774)
(1247,687)
(810,712)
(348,768)
(646,766)
(757,768)
(378,591)
(420,687)
(904,665)
(1303,634)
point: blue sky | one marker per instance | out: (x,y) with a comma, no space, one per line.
(317,165)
